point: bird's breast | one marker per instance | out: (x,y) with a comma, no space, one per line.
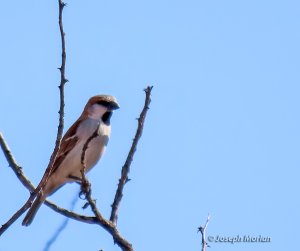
(96,145)
(71,165)
(89,126)
(95,148)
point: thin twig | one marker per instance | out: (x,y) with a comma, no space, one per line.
(109,226)
(62,69)
(72,215)
(202,230)
(85,184)
(59,130)
(16,215)
(13,164)
(86,190)
(61,111)
(18,171)
(126,168)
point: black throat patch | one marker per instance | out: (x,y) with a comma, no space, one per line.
(106,118)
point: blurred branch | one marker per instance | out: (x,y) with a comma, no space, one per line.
(126,168)
(202,230)
(61,228)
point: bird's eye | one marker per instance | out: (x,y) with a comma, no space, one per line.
(104,103)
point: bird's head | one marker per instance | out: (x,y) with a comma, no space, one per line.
(101,107)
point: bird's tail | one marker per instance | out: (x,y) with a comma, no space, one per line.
(33,210)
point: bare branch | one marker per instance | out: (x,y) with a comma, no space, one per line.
(61,112)
(109,226)
(26,182)
(13,164)
(59,130)
(100,220)
(71,215)
(126,168)
(202,230)
(86,189)
(6,225)
(63,81)
(18,171)
(62,69)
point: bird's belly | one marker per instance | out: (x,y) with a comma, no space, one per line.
(93,153)
(72,166)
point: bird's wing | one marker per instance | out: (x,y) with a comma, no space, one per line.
(68,142)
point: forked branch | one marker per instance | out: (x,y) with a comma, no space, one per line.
(108,225)
(202,230)
(86,190)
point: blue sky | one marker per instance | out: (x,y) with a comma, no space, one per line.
(221,137)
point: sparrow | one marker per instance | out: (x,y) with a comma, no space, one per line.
(67,165)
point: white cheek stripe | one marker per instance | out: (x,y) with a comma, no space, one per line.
(96,111)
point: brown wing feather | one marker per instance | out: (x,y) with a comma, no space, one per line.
(67,144)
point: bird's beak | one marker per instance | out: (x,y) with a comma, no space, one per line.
(113,105)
